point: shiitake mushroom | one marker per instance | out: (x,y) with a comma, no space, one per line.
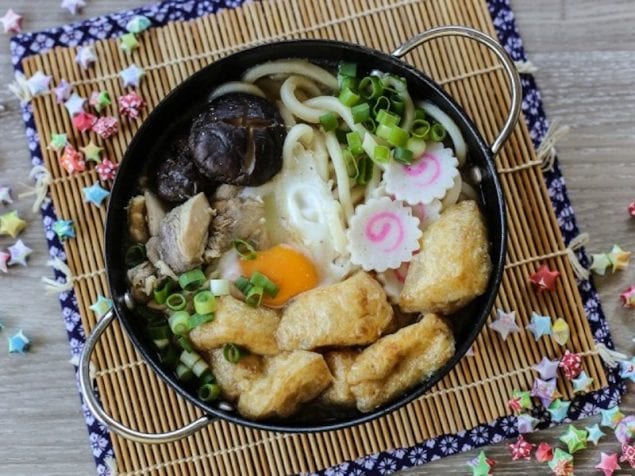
(238,140)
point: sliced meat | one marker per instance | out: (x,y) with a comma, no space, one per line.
(142,279)
(137,226)
(155,212)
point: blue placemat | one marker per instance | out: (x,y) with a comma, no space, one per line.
(28,44)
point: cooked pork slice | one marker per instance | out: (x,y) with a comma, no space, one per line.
(137,226)
(155,212)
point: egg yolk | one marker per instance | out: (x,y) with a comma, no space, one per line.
(289,269)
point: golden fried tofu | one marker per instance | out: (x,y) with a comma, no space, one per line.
(399,361)
(339,393)
(453,266)
(238,323)
(291,379)
(234,379)
(352,312)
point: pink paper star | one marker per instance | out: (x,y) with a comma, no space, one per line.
(106,126)
(12,22)
(628,298)
(84,121)
(628,455)
(505,323)
(4,258)
(130,105)
(73,6)
(521,449)
(19,253)
(106,170)
(544,279)
(571,364)
(544,453)
(631,209)
(608,463)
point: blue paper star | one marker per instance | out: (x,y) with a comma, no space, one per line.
(558,410)
(38,83)
(547,369)
(19,253)
(627,369)
(64,229)
(540,325)
(86,56)
(101,306)
(611,417)
(19,343)
(95,194)
(505,323)
(131,76)
(526,423)
(75,104)
(594,434)
(138,24)
(582,382)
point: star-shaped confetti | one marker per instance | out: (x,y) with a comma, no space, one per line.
(481,465)
(539,326)
(544,452)
(74,104)
(138,24)
(594,434)
(19,253)
(131,76)
(600,262)
(631,209)
(608,463)
(73,6)
(106,126)
(545,390)
(571,364)
(560,331)
(19,343)
(11,22)
(38,83)
(628,455)
(619,258)
(521,449)
(106,170)
(625,430)
(526,423)
(558,410)
(100,100)
(505,323)
(84,121)
(62,91)
(128,43)
(627,369)
(544,279)
(11,224)
(611,417)
(64,229)
(4,259)
(101,306)
(58,142)
(628,298)
(5,196)
(562,463)
(86,56)
(92,152)
(574,439)
(519,401)
(72,160)
(95,194)
(582,382)
(547,369)
(130,105)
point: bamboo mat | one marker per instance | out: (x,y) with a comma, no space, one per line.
(475,392)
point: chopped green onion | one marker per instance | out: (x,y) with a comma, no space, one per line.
(437,133)
(420,113)
(382,154)
(403,155)
(176,302)
(159,331)
(199,319)
(219,287)
(361,113)
(365,170)
(243,285)
(351,163)
(420,128)
(180,322)
(192,280)
(209,392)
(416,146)
(395,135)
(204,302)
(370,125)
(354,141)
(348,97)
(397,105)
(189,358)
(185,343)
(200,367)
(135,255)
(254,296)
(162,292)
(232,353)
(387,119)
(244,249)
(329,121)
(347,69)
(169,356)
(346,82)
(394,83)
(261,281)
(207,377)
(183,373)
(382,104)
(370,87)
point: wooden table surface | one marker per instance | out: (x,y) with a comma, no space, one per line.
(585,50)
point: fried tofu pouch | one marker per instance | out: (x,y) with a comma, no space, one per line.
(453,266)
(238,323)
(352,312)
(236,378)
(339,363)
(290,379)
(397,362)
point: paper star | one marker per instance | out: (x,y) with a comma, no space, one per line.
(519,401)
(545,390)
(19,253)
(619,258)
(101,306)
(631,209)
(539,326)
(64,229)
(100,100)
(62,91)
(12,22)
(521,449)
(131,76)
(92,152)
(582,382)
(627,369)
(526,423)
(95,194)
(107,170)
(481,465)
(561,331)
(138,24)
(19,343)
(128,43)
(75,104)
(11,224)
(562,463)
(58,142)
(5,196)
(547,369)
(4,258)
(574,439)
(73,6)
(600,262)
(38,83)
(544,279)
(84,121)
(628,298)
(505,323)
(628,455)
(594,434)
(611,417)
(608,463)
(625,430)
(72,160)
(106,127)
(86,56)
(470,352)
(571,364)
(544,453)
(130,105)
(558,410)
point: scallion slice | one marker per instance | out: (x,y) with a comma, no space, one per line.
(189,358)
(176,302)
(397,105)
(395,135)
(416,146)
(403,155)
(207,377)
(204,302)
(329,121)
(192,280)
(232,353)
(209,392)
(370,125)
(365,166)
(219,287)
(185,343)
(347,69)
(371,87)
(259,280)
(244,249)
(381,154)
(361,113)
(437,133)
(183,373)
(199,319)
(420,128)
(354,141)
(420,113)
(243,285)
(180,323)
(351,163)
(348,97)
(162,291)
(382,104)
(254,296)
(346,82)
(387,119)
(200,367)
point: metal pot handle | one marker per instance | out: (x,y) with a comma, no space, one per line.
(497,49)
(85,385)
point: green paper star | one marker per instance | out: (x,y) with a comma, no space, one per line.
(482,467)
(101,100)
(129,43)
(101,306)
(558,410)
(574,439)
(611,417)
(11,224)
(58,142)
(524,398)
(600,262)
(92,152)
(561,460)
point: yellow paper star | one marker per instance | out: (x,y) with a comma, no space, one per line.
(92,152)
(619,258)
(11,224)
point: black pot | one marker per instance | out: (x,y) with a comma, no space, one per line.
(185,100)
